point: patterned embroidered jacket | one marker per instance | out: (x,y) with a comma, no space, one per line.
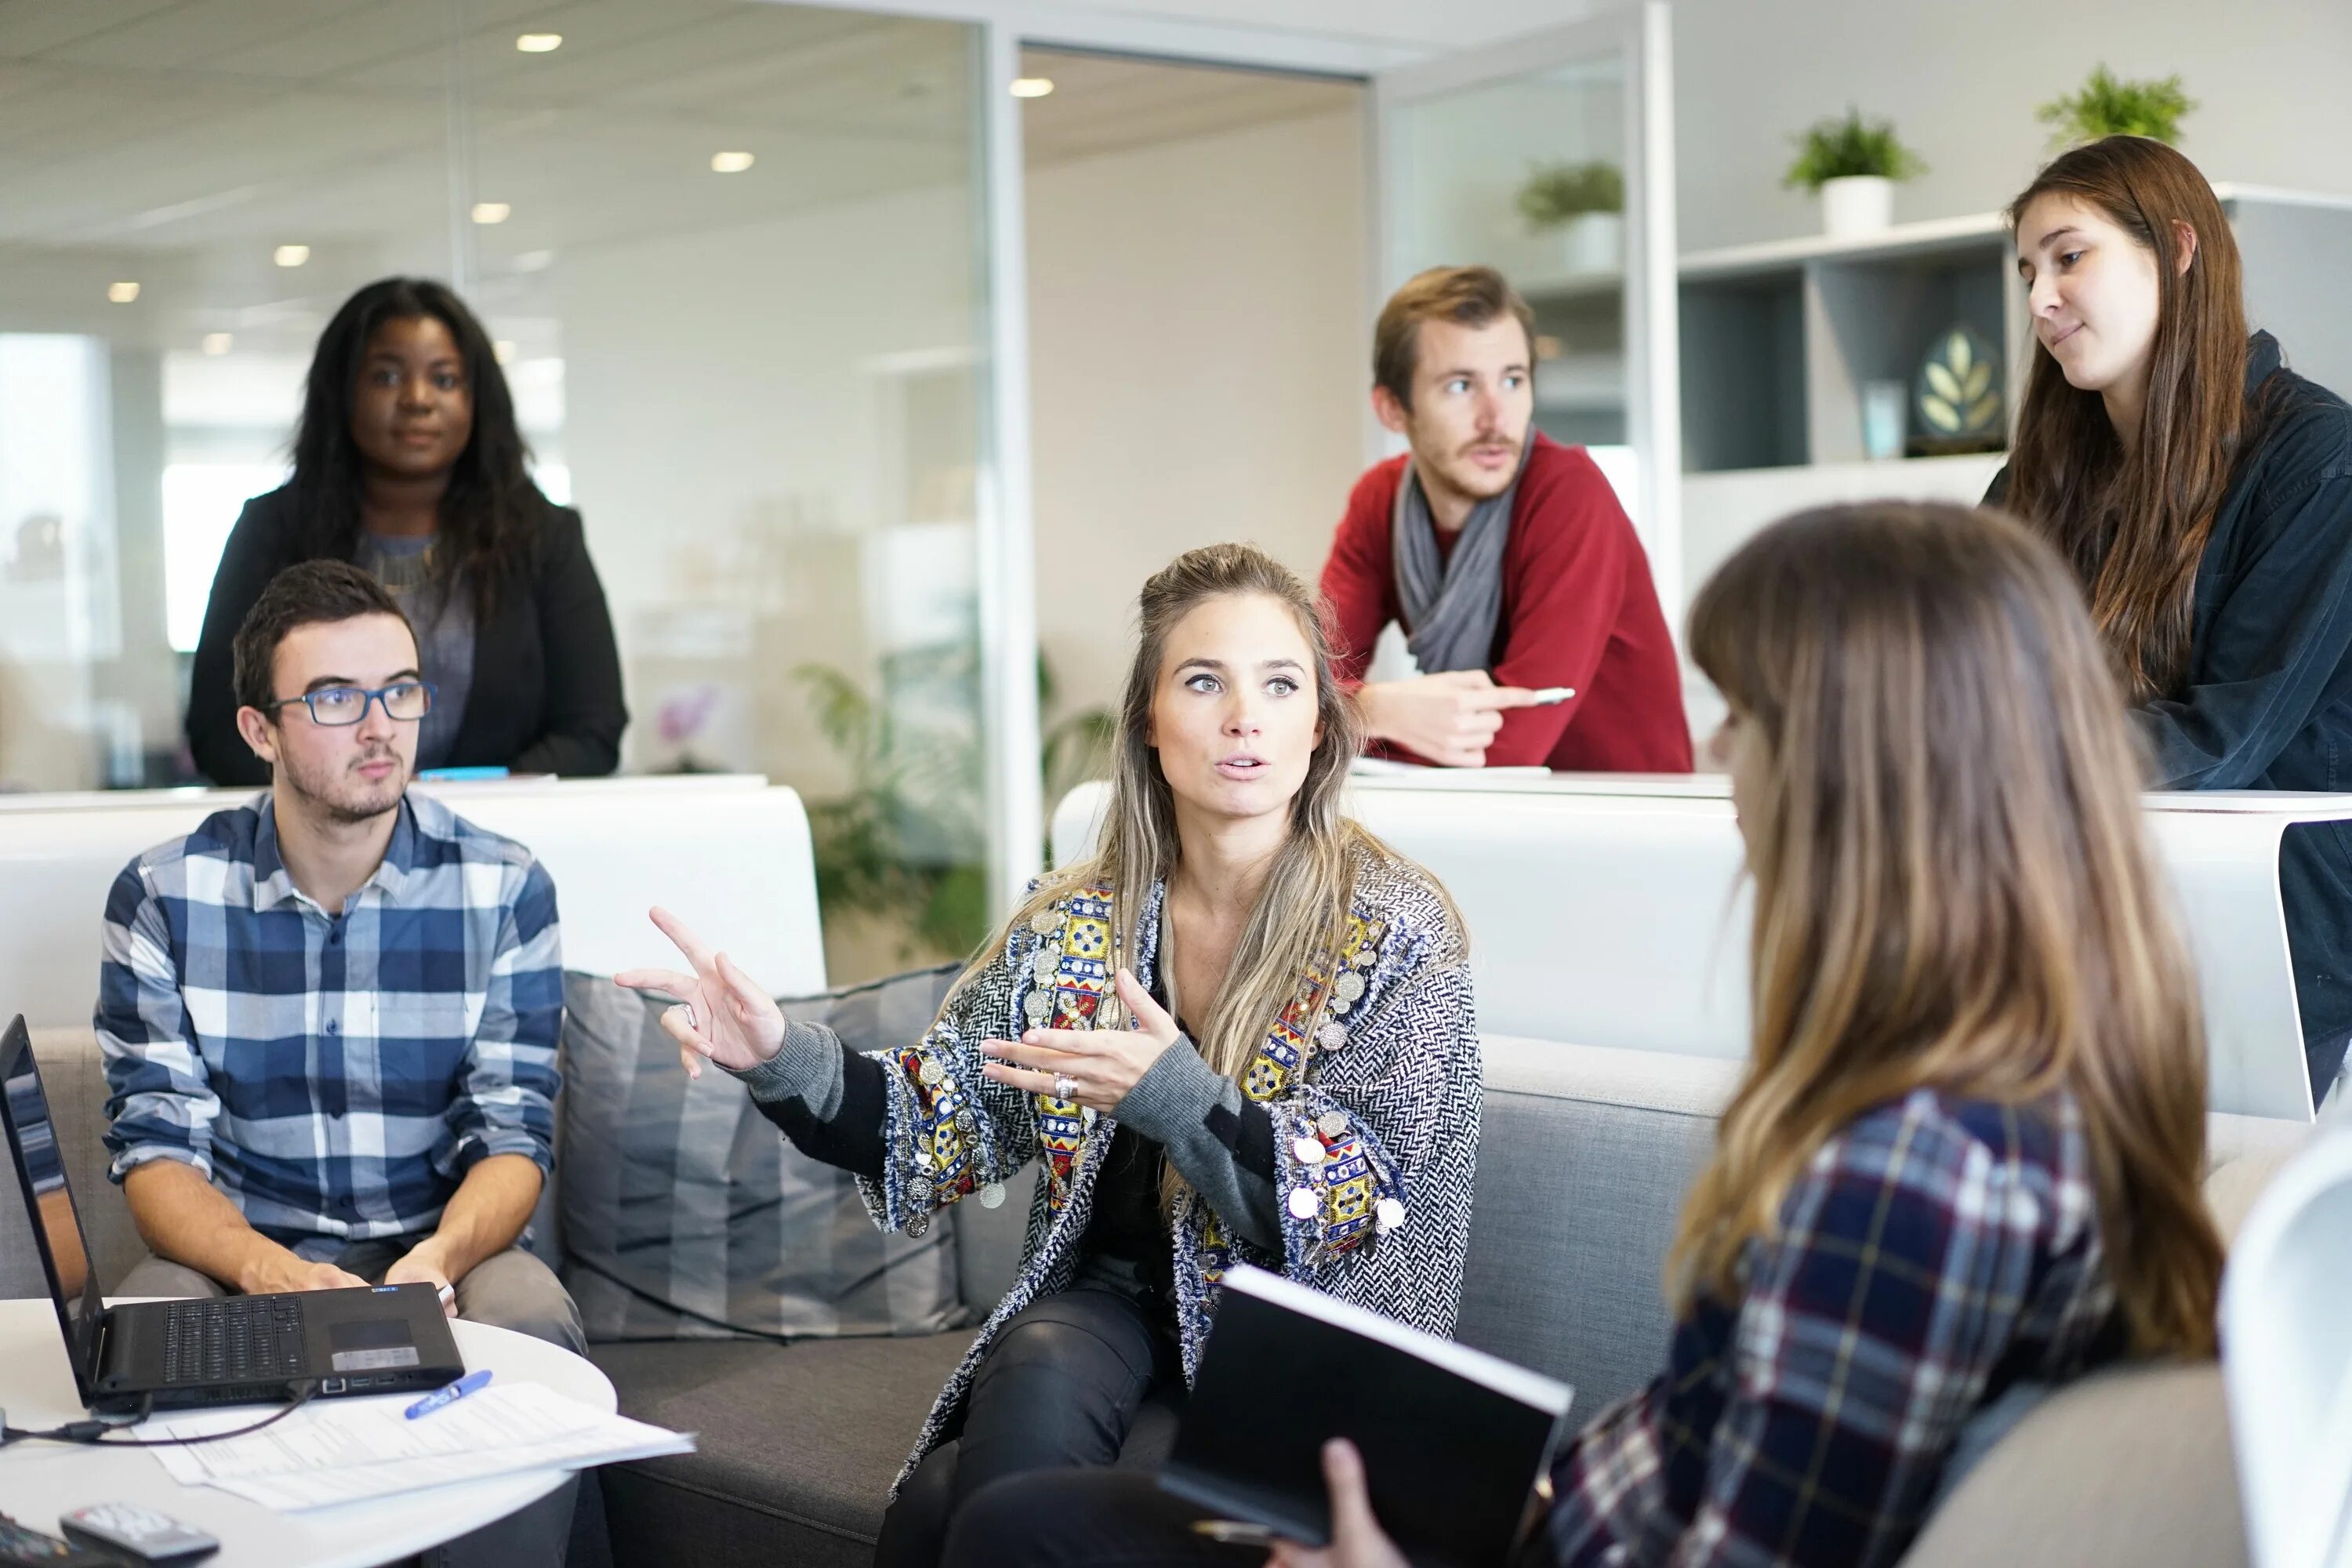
(1374,1064)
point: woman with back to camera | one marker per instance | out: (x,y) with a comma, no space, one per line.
(409,463)
(2202,493)
(1240,1032)
(1964,1157)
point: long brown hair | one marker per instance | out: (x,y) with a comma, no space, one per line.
(1953,885)
(1302,912)
(2134,526)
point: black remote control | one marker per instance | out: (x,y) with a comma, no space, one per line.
(124,1529)
(22,1546)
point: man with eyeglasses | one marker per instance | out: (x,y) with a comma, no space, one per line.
(329,1016)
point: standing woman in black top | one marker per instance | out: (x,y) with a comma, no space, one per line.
(2203,493)
(408,462)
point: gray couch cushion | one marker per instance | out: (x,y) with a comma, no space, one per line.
(2127,1469)
(687,1214)
(1583,1159)
(799,1446)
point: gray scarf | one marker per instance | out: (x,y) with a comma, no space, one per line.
(1452,609)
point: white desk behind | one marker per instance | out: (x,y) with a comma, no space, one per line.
(1611,911)
(730,853)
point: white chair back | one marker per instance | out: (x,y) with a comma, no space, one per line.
(730,854)
(2287,1357)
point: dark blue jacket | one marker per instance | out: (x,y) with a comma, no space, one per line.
(2268,700)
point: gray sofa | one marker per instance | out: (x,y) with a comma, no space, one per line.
(1585,1156)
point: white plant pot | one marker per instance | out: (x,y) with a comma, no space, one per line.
(1856,205)
(1593,242)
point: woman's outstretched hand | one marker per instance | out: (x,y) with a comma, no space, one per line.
(1357,1539)
(1101,1064)
(723,1016)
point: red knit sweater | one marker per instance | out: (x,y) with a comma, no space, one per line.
(1579,610)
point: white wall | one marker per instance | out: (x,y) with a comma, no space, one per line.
(1960,80)
(1961,83)
(1199,356)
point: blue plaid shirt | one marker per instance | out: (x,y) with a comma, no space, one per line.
(335,1076)
(1935,1250)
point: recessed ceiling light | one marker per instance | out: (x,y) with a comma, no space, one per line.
(1032,86)
(729,163)
(291,255)
(217,342)
(505,351)
(540,43)
(122,293)
(492,212)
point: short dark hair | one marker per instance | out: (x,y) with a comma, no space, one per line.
(1471,296)
(301,596)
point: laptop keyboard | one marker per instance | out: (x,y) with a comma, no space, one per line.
(232,1339)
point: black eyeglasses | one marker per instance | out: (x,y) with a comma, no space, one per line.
(406,700)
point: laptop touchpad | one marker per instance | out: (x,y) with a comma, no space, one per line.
(370,1344)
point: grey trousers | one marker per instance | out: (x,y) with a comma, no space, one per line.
(512,1290)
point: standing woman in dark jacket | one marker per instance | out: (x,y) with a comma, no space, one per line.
(2202,493)
(408,462)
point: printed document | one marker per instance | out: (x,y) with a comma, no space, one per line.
(350,1450)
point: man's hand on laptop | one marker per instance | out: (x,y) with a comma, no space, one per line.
(1448,719)
(420,1266)
(285,1271)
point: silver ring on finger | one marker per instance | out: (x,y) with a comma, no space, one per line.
(1064,1086)
(691,1021)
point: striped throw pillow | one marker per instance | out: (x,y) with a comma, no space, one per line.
(687,1214)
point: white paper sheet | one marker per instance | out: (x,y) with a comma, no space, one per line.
(346,1450)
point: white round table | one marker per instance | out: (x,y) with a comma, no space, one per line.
(39,1481)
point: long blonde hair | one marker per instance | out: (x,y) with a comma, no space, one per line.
(1953,885)
(1301,914)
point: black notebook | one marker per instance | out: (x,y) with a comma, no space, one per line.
(1454,1439)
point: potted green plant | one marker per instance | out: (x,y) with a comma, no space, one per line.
(1852,164)
(2108,106)
(1586,203)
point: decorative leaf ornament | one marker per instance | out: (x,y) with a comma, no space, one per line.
(1956,395)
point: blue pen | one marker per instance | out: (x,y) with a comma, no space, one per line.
(461,774)
(472,1383)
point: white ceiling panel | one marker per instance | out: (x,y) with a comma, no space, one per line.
(28,27)
(196,34)
(179,141)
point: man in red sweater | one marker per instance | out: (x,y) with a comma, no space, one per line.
(1503,555)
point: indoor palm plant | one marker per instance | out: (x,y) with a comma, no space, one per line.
(1852,164)
(1586,203)
(2105,105)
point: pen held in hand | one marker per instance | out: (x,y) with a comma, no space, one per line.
(1546,696)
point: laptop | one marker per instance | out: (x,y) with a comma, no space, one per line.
(237,1349)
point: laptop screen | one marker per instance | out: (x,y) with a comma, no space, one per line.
(49,1201)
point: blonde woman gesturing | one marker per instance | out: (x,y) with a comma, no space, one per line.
(1241,1032)
(1964,1157)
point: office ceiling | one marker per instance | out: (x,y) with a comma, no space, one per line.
(182,142)
(1109,103)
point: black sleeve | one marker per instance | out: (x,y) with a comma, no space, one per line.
(1249,1134)
(852,1139)
(253,555)
(583,715)
(2269,647)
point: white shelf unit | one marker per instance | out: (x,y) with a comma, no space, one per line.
(1778,338)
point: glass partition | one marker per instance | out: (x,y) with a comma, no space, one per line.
(732,256)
